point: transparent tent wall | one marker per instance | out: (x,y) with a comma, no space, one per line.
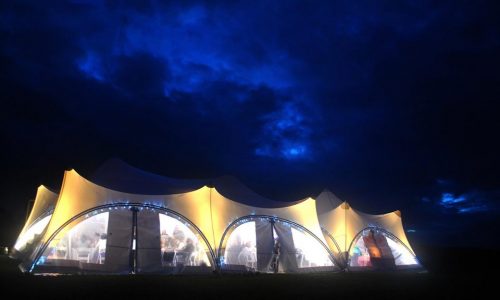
(376,249)
(96,242)
(241,246)
(300,251)
(32,233)
(102,241)
(180,245)
(82,242)
(309,252)
(260,246)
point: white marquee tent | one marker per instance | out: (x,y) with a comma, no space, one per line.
(110,224)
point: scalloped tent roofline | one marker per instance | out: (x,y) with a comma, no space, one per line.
(118,175)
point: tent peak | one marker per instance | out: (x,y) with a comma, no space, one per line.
(327,201)
(44,187)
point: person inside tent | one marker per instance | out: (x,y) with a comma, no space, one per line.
(387,261)
(101,248)
(233,249)
(184,254)
(380,253)
(247,256)
(276,255)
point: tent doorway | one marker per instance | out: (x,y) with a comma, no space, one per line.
(377,249)
(269,244)
(123,239)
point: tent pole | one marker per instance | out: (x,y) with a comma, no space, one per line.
(133,252)
(345,234)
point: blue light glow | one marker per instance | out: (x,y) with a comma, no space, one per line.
(288,135)
(448,200)
(473,209)
(467,203)
(90,64)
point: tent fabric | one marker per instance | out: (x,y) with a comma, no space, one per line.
(117,175)
(344,223)
(327,201)
(287,253)
(210,208)
(205,207)
(265,244)
(44,203)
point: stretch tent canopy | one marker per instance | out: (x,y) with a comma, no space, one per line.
(125,220)
(37,221)
(353,235)
(207,212)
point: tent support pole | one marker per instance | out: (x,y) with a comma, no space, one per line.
(133,252)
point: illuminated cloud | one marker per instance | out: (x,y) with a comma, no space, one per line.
(91,65)
(471,202)
(359,98)
(286,134)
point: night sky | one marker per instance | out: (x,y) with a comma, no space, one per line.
(391,105)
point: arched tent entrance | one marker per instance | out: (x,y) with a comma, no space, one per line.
(342,227)
(126,238)
(374,248)
(269,244)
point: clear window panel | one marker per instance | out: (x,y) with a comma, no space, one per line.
(241,246)
(375,248)
(180,245)
(85,242)
(32,233)
(402,256)
(309,252)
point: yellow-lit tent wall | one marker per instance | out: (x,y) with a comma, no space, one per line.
(205,207)
(333,223)
(341,224)
(45,201)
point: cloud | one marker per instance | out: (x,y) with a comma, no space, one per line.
(472,201)
(375,101)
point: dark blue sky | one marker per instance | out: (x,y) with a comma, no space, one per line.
(391,105)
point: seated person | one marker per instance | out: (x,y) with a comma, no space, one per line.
(185,252)
(168,258)
(247,256)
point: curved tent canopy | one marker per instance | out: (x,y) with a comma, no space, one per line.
(343,224)
(327,201)
(375,248)
(208,211)
(117,175)
(38,219)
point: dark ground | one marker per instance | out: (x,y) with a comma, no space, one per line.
(452,273)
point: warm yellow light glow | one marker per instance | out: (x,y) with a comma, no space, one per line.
(310,253)
(176,237)
(241,246)
(29,235)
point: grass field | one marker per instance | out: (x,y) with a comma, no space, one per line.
(451,273)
